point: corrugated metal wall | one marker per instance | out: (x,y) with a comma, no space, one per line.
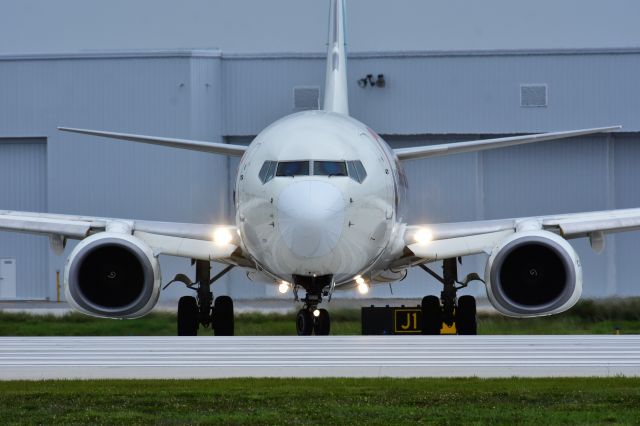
(429,98)
(159,93)
(441,93)
(23,177)
(551,177)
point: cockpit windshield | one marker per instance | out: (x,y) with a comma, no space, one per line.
(329,168)
(293,168)
(353,169)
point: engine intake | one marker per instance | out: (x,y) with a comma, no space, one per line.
(112,275)
(533,273)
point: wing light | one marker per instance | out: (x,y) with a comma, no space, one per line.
(283,287)
(222,236)
(362,287)
(423,236)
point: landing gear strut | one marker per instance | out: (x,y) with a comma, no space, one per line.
(204,309)
(310,319)
(448,309)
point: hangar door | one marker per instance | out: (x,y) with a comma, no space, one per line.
(23,186)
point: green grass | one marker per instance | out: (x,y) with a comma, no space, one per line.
(159,324)
(588,317)
(324,401)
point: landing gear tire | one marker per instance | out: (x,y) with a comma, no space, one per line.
(187,316)
(322,323)
(466,322)
(431,315)
(304,322)
(223,319)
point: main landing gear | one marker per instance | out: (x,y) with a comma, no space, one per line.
(449,309)
(204,309)
(310,319)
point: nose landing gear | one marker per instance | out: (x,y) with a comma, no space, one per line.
(448,309)
(310,319)
(313,321)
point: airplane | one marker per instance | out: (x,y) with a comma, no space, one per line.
(320,202)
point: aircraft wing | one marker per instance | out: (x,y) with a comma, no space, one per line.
(202,146)
(430,242)
(484,144)
(195,241)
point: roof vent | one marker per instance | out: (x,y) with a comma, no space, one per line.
(533,95)
(306,98)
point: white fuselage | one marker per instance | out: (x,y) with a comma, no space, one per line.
(320,224)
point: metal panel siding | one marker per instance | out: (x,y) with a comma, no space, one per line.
(440,94)
(116,179)
(627,195)
(148,95)
(434,97)
(23,173)
(260,91)
(548,178)
(481,94)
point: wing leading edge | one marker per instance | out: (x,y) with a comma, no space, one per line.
(485,144)
(202,146)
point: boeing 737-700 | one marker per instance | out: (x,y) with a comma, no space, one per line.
(320,207)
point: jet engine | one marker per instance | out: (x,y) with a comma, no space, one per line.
(113,275)
(533,273)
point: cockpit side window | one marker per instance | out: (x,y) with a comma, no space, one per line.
(293,168)
(330,168)
(267,171)
(357,171)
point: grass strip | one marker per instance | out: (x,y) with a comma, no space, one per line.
(324,401)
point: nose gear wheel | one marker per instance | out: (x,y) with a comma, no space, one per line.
(322,323)
(304,322)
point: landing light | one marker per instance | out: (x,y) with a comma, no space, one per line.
(316,313)
(283,287)
(222,236)
(359,280)
(363,288)
(423,236)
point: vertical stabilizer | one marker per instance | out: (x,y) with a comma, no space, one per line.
(335,90)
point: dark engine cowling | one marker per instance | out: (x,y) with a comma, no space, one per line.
(112,275)
(533,273)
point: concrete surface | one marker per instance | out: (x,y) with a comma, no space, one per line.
(33,358)
(241,306)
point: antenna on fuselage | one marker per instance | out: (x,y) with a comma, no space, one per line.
(335,91)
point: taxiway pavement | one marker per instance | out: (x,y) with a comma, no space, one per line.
(33,358)
(267,306)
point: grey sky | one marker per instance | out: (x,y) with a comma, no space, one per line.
(31,26)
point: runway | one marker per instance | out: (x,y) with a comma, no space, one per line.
(33,358)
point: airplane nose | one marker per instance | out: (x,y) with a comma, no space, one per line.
(311,217)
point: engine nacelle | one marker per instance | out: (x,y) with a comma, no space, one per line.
(112,275)
(533,273)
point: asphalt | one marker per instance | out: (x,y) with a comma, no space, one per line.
(240,305)
(35,358)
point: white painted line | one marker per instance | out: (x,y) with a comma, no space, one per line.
(34,358)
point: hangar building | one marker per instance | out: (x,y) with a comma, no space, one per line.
(431,95)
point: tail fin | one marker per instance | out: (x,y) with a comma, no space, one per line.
(335,90)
